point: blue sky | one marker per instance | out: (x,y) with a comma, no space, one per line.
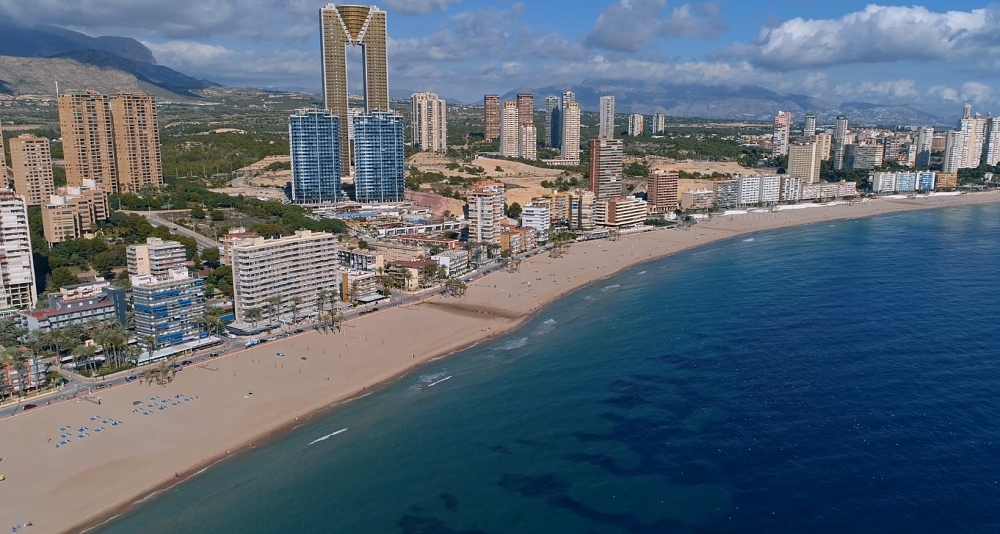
(935,55)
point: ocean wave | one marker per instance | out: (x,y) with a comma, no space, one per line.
(642,272)
(512,344)
(748,240)
(612,286)
(423,381)
(544,328)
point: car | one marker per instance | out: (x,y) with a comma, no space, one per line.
(29,406)
(102,386)
(299,330)
(375,309)
(264,341)
(213,355)
(186,362)
(362,313)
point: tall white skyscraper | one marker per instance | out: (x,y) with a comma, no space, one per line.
(839,140)
(607,126)
(973,133)
(991,152)
(953,156)
(659,123)
(571,130)
(551,108)
(925,138)
(17,268)
(527,142)
(782,133)
(636,125)
(509,130)
(428,122)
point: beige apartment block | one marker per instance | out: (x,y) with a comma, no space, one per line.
(155,258)
(661,192)
(491,117)
(74,214)
(428,121)
(137,142)
(88,139)
(526,109)
(486,212)
(804,161)
(31,165)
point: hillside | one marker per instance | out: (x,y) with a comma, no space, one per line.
(37,76)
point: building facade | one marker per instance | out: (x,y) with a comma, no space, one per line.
(804,161)
(659,123)
(539,217)
(379,158)
(77,305)
(486,212)
(428,121)
(137,142)
(17,267)
(357,26)
(621,212)
(292,269)
(314,143)
(75,214)
(156,258)
(527,142)
(606,168)
(636,125)
(88,139)
(31,167)
(782,133)
(925,140)
(697,199)
(167,308)
(569,121)
(509,127)
(839,140)
(606,126)
(866,156)
(809,129)
(661,192)
(525,109)
(491,117)
(551,106)
(727,193)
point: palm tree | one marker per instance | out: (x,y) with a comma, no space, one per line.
(84,353)
(149,342)
(355,290)
(294,303)
(253,315)
(336,319)
(321,303)
(408,276)
(273,307)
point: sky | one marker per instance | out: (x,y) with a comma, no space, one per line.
(936,55)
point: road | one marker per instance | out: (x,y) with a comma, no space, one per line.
(155,219)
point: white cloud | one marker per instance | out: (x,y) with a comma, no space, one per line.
(976,93)
(419,7)
(687,20)
(239,67)
(630,25)
(874,35)
(864,90)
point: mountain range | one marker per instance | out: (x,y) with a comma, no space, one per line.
(33,58)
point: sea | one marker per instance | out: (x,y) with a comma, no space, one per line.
(838,377)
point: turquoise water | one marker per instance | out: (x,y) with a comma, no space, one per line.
(830,378)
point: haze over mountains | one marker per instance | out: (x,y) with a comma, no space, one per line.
(33,59)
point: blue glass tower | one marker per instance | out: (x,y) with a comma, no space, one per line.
(379,161)
(314,136)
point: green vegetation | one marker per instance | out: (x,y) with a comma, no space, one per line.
(279,166)
(513,210)
(205,155)
(563,183)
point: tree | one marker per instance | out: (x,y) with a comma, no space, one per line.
(11,331)
(211,256)
(149,342)
(217,215)
(253,315)
(455,287)
(294,304)
(61,277)
(514,210)
(336,319)
(355,292)
(196,259)
(197,213)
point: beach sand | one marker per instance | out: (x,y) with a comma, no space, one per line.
(68,488)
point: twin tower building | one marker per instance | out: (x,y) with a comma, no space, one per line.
(341,141)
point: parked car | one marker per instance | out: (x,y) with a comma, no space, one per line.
(375,309)
(213,355)
(29,406)
(186,362)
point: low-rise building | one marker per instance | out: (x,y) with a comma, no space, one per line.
(234,235)
(621,212)
(430,242)
(399,252)
(358,286)
(75,214)
(791,189)
(581,209)
(25,379)
(455,262)
(397,229)
(357,259)
(412,275)
(155,258)
(829,190)
(946,180)
(77,305)
(518,240)
(697,199)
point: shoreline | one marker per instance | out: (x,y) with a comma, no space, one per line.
(481,308)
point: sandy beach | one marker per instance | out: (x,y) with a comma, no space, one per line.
(208,412)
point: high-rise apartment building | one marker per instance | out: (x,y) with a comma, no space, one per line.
(953,153)
(606,129)
(314,142)
(810,127)
(991,150)
(636,125)
(606,168)
(782,133)
(31,166)
(486,212)
(925,140)
(509,126)
(75,214)
(661,192)
(155,258)
(88,139)
(526,109)
(804,161)
(3,158)
(379,157)
(296,268)
(491,117)
(167,309)
(973,132)
(527,142)
(17,268)
(863,156)
(824,144)
(659,123)
(428,122)
(570,138)
(137,142)
(967,111)
(355,26)
(839,140)
(551,121)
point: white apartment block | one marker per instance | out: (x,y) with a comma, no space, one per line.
(953,153)
(791,188)
(636,125)
(17,268)
(538,217)
(486,212)
(155,258)
(509,131)
(883,182)
(428,122)
(973,137)
(782,133)
(991,150)
(570,150)
(607,124)
(770,189)
(293,268)
(527,142)
(749,190)
(659,123)
(621,212)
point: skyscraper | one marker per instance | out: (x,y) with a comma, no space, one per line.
(661,192)
(551,106)
(804,161)
(953,156)
(636,125)
(428,122)
(314,140)
(839,139)
(486,205)
(810,126)
(526,109)
(17,269)
(527,142)
(606,168)
(659,123)
(363,26)
(925,139)
(967,111)
(570,119)
(991,152)
(137,142)
(31,165)
(379,157)
(491,117)
(973,132)
(782,133)
(607,125)
(3,158)
(88,139)
(509,125)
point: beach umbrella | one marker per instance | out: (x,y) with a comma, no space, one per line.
(2,478)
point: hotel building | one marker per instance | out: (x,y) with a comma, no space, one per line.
(621,212)
(661,192)
(606,169)
(314,142)
(379,158)
(491,117)
(167,307)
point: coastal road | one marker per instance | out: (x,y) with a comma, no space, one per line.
(156,219)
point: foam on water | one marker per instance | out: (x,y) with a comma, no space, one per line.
(544,328)
(515,343)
